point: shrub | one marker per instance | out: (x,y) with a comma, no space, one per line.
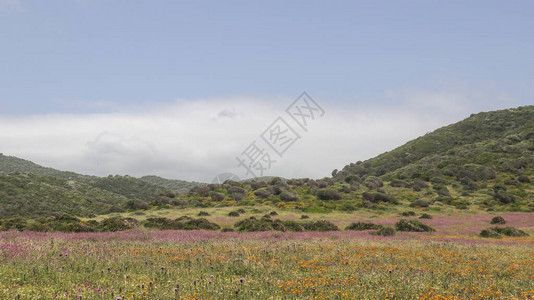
(252,224)
(412,225)
(117,224)
(278,182)
(235,189)
(203,213)
(523,179)
(503,197)
(237,196)
(136,204)
(419,185)
(328,194)
(202,191)
(288,197)
(200,223)
(442,190)
(257,184)
(352,178)
(420,203)
(227,229)
(373,182)
(75,227)
(489,233)
(182,223)
(498,220)
(408,213)
(363,226)
(398,183)
(304,217)
(425,216)
(384,231)
(295,182)
(273,213)
(347,207)
(321,225)
(292,226)
(233,214)
(217,196)
(498,231)
(67,218)
(263,193)
(380,197)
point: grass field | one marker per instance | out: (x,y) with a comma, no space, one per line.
(450,263)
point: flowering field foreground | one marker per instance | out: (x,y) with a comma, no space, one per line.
(268,265)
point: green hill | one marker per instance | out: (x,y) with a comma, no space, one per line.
(502,140)
(130,187)
(31,195)
(11,164)
(485,162)
(177,186)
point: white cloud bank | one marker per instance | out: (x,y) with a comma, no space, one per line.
(197,140)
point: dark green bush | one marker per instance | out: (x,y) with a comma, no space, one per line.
(425,216)
(217,196)
(233,214)
(292,226)
(399,183)
(263,193)
(203,214)
(321,225)
(117,224)
(419,185)
(503,197)
(523,179)
(363,226)
(373,182)
(412,225)
(498,220)
(408,214)
(384,231)
(499,231)
(288,197)
(420,203)
(328,194)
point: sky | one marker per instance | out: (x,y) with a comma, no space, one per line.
(181,89)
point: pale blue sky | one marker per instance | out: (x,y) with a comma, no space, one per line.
(93,56)
(179,88)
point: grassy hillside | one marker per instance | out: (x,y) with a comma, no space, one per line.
(127,186)
(177,186)
(11,164)
(485,162)
(494,139)
(31,195)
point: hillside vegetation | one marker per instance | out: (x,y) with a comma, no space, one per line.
(177,186)
(31,195)
(483,163)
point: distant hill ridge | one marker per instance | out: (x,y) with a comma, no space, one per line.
(502,140)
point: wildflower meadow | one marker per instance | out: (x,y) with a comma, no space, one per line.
(177,264)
